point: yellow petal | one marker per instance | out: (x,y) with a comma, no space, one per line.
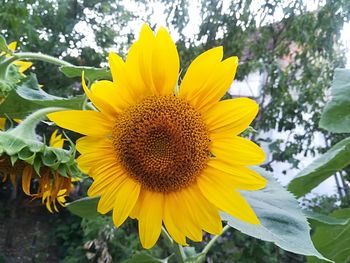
(13,179)
(165,63)
(95,163)
(2,123)
(12,46)
(48,205)
(103,182)
(146,46)
(85,122)
(150,218)
(100,103)
(171,225)
(184,221)
(207,90)
(97,154)
(108,92)
(89,144)
(223,195)
(26,179)
(239,176)
(56,141)
(134,213)
(237,150)
(108,196)
(23,65)
(115,63)
(131,86)
(125,200)
(231,116)
(198,72)
(206,215)
(154,61)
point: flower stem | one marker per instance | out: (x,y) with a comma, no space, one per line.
(213,240)
(4,66)
(26,129)
(178,250)
(41,57)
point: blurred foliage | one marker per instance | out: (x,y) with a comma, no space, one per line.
(97,240)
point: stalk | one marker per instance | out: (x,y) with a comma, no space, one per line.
(41,57)
(178,250)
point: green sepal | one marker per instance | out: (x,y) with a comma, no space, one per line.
(37,165)
(22,143)
(62,170)
(13,159)
(27,155)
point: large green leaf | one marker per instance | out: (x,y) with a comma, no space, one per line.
(282,220)
(90,73)
(336,114)
(323,167)
(326,219)
(85,207)
(334,240)
(28,97)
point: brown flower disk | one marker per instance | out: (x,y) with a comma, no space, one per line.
(162,142)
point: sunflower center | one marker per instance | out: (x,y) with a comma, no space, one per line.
(162,142)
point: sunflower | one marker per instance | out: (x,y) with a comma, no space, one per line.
(52,187)
(167,154)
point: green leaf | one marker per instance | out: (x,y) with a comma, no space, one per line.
(323,167)
(3,45)
(334,240)
(144,257)
(91,74)
(85,207)
(336,114)
(282,220)
(326,219)
(28,97)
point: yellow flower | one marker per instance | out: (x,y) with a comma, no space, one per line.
(22,65)
(52,187)
(163,154)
